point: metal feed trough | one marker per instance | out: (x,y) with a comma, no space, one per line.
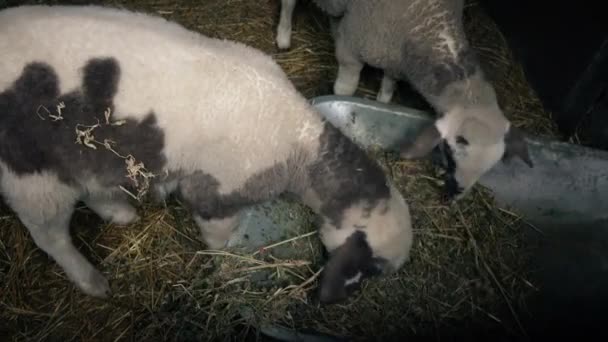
(566,189)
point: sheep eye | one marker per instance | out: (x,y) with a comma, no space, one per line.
(461,140)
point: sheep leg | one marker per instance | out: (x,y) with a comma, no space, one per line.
(53,237)
(387,89)
(333,26)
(116,208)
(45,206)
(284,27)
(217,232)
(349,69)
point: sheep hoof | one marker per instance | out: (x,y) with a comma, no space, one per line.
(386,90)
(97,285)
(384,98)
(216,244)
(125,217)
(283,40)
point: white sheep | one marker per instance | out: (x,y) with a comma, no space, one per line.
(423,42)
(98,103)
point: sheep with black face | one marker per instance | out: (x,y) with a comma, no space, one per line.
(85,89)
(423,42)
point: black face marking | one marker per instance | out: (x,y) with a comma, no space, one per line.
(352,261)
(344,175)
(462,141)
(31,141)
(452,188)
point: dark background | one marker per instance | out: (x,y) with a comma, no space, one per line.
(563,46)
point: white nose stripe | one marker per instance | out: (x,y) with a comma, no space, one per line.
(353,280)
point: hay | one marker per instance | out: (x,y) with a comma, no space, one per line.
(468,267)
(469,263)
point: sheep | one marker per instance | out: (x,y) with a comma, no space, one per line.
(100,105)
(423,42)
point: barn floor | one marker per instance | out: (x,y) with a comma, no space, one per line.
(472,273)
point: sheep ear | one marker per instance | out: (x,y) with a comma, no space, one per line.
(424,143)
(348,265)
(515,145)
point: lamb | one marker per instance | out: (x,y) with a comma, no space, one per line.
(423,42)
(100,105)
